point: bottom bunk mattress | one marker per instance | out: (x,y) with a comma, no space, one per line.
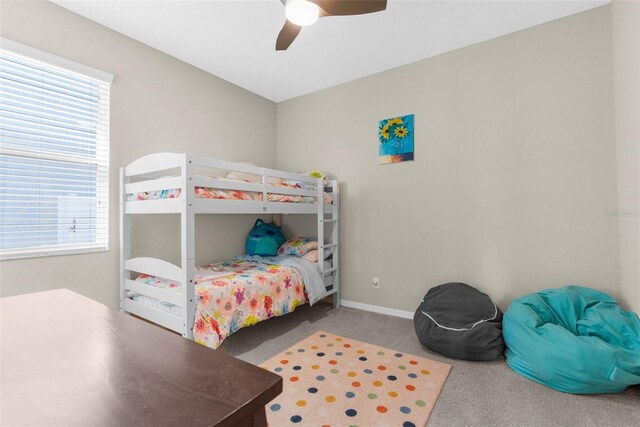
(234,294)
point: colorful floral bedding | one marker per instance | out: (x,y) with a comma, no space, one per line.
(232,295)
(223,194)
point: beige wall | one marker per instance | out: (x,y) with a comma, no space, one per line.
(515,172)
(158,103)
(515,166)
(626,59)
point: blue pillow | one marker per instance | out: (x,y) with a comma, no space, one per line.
(264,239)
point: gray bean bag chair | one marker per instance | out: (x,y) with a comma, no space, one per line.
(458,321)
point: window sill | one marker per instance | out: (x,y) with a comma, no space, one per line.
(51,252)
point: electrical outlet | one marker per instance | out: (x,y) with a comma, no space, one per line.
(376,283)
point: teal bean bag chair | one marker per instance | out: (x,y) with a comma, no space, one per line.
(573,339)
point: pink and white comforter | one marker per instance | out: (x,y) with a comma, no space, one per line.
(232,295)
(223,194)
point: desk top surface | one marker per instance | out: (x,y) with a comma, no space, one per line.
(68,360)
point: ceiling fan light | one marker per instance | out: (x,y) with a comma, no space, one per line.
(302,12)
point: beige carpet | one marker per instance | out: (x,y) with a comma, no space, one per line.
(475,394)
(330,380)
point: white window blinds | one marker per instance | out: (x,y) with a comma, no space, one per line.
(54,159)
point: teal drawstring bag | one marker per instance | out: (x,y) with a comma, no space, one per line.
(573,339)
(264,239)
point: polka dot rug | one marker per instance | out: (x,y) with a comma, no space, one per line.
(335,381)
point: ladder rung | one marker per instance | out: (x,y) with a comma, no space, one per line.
(329,245)
(328,220)
(330,271)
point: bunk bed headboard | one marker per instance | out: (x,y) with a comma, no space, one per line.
(154,163)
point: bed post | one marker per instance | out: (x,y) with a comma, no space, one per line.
(187,240)
(335,238)
(125,237)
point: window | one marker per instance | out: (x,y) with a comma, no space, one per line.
(54,155)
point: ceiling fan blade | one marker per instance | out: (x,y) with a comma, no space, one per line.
(287,35)
(350,7)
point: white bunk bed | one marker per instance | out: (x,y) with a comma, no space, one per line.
(162,171)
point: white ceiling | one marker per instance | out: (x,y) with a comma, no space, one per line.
(235,39)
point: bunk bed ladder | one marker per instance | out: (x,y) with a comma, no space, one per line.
(333,243)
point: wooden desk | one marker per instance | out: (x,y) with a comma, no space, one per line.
(68,360)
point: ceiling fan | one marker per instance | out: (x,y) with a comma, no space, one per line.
(301,13)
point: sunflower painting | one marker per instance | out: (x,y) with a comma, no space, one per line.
(395,139)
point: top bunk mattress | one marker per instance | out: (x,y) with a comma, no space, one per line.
(224,194)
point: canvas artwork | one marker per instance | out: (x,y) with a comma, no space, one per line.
(395,139)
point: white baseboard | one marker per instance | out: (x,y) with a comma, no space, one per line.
(377,309)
